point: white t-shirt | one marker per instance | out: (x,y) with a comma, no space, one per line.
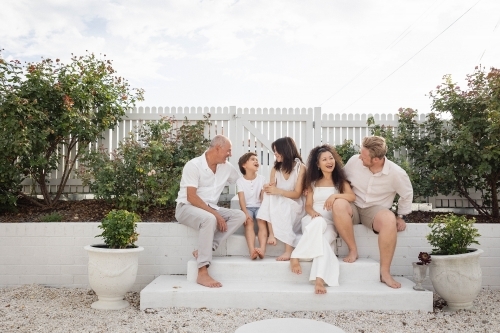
(196,173)
(251,190)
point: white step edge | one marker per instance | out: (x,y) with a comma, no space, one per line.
(175,291)
(237,268)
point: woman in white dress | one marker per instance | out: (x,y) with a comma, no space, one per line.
(327,190)
(283,203)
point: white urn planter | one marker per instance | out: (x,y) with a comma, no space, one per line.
(112,272)
(457,278)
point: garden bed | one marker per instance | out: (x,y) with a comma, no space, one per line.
(94,210)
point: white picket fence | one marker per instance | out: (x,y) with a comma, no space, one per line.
(252,129)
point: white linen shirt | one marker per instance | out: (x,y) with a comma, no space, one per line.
(379,189)
(209,185)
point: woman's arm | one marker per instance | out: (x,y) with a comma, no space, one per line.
(347,195)
(297,191)
(309,204)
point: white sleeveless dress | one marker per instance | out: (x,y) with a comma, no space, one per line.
(318,234)
(284,213)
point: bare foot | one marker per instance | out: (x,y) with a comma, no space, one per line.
(260,252)
(351,257)
(284,257)
(253,254)
(319,286)
(295,266)
(195,254)
(271,240)
(389,280)
(400,225)
(206,280)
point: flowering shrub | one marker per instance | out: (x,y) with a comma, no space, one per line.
(144,171)
(48,110)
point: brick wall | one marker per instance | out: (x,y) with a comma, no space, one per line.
(53,254)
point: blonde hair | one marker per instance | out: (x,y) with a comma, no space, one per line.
(375,145)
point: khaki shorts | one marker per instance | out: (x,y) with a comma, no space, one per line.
(366,215)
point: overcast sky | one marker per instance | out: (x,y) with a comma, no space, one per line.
(349,56)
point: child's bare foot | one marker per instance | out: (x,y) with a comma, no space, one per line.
(206,280)
(284,257)
(351,257)
(389,280)
(195,254)
(271,240)
(261,253)
(319,286)
(253,254)
(295,266)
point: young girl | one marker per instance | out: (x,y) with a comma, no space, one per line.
(250,188)
(283,204)
(327,202)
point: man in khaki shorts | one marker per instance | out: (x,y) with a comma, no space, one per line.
(203,179)
(376,180)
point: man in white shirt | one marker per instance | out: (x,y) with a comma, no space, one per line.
(203,179)
(376,180)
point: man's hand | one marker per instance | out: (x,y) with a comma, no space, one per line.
(221,223)
(400,224)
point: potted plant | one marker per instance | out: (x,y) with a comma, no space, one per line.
(455,271)
(420,270)
(113,265)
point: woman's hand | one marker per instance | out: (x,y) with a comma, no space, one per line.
(271,189)
(329,202)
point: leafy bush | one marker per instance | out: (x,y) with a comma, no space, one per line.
(48,111)
(462,153)
(119,229)
(52,217)
(347,150)
(144,171)
(452,234)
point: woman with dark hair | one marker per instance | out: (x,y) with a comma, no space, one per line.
(328,192)
(283,203)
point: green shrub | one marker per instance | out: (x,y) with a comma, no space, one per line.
(145,171)
(119,229)
(52,217)
(452,234)
(347,150)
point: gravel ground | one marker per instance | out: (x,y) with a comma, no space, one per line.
(36,308)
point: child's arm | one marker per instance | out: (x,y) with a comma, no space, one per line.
(243,206)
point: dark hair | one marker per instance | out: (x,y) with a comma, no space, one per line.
(313,173)
(243,159)
(288,150)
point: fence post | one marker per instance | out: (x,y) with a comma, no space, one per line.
(317,127)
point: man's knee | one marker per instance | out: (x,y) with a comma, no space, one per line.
(384,220)
(340,206)
(238,215)
(209,221)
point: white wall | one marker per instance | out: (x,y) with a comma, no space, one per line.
(53,254)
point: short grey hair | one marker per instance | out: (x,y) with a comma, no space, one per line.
(218,140)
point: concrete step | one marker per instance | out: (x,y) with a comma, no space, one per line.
(176,291)
(242,269)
